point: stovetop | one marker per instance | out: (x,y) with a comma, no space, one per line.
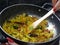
(5,3)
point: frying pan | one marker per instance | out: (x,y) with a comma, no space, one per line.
(33,10)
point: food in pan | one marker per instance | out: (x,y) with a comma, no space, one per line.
(17,27)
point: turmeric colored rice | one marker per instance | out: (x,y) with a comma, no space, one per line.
(17,27)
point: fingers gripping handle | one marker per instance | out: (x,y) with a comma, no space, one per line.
(57,6)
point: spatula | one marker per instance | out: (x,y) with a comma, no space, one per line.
(53,10)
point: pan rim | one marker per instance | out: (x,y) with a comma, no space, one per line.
(18,39)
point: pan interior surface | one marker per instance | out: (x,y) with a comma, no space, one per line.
(17,27)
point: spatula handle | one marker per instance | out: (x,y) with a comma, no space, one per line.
(54,9)
(42,18)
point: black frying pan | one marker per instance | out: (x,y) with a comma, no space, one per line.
(31,10)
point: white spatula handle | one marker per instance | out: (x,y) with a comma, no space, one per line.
(41,19)
(55,8)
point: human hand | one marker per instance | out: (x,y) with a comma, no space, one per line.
(10,42)
(54,2)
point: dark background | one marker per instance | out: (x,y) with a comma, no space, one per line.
(5,3)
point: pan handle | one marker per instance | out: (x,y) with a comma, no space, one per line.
(2,38)
(47,6)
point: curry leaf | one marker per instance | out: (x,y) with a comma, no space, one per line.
(15,27)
